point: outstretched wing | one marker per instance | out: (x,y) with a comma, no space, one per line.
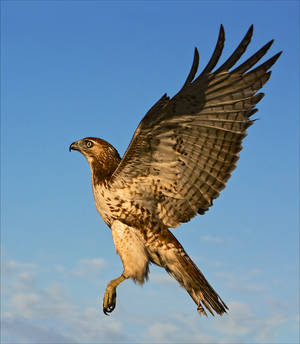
(185,148)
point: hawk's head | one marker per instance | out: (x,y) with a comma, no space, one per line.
(102,157)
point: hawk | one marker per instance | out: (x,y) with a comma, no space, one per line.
(179,159)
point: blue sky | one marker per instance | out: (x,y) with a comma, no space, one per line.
(72,69)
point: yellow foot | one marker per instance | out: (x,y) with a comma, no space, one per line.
(109,300)
(110,296)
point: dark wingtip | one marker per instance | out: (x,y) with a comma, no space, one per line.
(250,31)
(238,52)
(267,46)
(194,68)
(222,31)
(274,59)
(253,59)
(216,54)
(248,35)
(196,55)
(269,63)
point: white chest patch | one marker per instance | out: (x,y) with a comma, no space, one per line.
(103,202)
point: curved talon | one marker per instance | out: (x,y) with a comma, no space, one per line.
(109,300)
(109,309)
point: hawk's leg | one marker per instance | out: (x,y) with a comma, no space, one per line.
(110,296)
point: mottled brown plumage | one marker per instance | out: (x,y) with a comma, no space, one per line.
(178,161)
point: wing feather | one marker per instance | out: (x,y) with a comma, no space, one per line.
(216,54)
(193,70)
(239,51)
(253,59)
(185,148)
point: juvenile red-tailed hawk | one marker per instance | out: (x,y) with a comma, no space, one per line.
(178,161)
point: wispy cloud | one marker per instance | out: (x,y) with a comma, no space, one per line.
(248,325)
(46,313)
(20,330)
(241,325)
(88,267)
(162,332)
(13,266)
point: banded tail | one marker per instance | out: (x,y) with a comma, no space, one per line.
(194,282)
(180,266)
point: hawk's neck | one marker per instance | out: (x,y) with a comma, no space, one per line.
(103,168)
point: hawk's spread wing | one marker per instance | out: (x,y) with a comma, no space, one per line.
(185,148)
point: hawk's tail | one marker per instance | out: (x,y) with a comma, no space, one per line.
(199,289)
(179,265)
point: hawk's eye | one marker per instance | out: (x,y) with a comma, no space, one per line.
(89,144)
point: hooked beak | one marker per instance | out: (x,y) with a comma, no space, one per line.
(74,146)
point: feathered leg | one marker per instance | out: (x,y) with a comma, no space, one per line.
(134,258)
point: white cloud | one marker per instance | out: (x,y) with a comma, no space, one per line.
(24,281)
(240,325)
(19,330)
(46,313)
(60,324)
(89,267)
(17,277)
(25,304)
(89,327)
(11,267)
(180,329)
(162,332)
(40,303)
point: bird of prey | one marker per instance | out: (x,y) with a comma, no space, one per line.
(179,159)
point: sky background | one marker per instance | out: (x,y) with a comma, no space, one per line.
(72,69)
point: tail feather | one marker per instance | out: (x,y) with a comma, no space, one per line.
(191,278)
(180,266)
(203,293)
